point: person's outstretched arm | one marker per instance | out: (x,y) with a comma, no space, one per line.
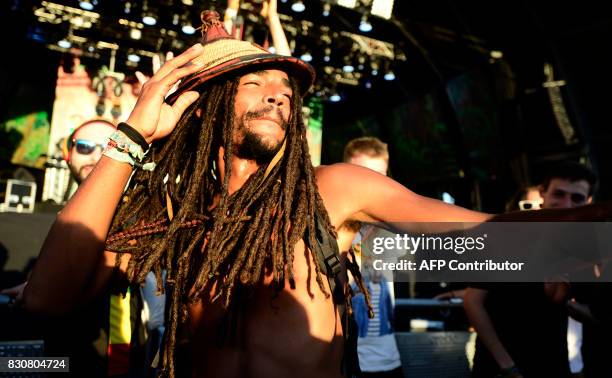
(279,39)
(473,303)
(72,263)
(358,193)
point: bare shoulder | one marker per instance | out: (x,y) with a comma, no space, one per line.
(352,180)
(338,181)
(324,170)
(340,186)
(336,174)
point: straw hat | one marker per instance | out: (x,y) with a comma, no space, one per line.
(223,54)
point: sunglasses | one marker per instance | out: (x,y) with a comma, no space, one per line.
(530,204)
(86,147)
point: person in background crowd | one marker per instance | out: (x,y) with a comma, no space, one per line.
(104,337)
(528,198)
(376,346)
(84,147)
(522,328)
(589,332)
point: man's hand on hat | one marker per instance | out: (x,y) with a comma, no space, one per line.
(156,65)
(151,116)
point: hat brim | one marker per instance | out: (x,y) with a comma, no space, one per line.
(303,72)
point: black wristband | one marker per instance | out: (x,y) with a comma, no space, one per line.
(134,135)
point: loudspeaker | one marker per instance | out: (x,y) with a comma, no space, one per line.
(19,196)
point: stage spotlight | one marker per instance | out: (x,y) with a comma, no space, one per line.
(186,24)
(326,9)
(327,56)
(64,43)
(335,97)
(148,18)
(361,60)
(188,29)
(86,4)
(135,33)
(133,58)
(496,54)
(298,6)
(348,68)
(365,25)
(306,57)
(374,66)
(389,76)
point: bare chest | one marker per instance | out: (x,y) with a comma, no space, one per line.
(270,333)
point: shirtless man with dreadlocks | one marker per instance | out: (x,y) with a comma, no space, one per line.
(230,211)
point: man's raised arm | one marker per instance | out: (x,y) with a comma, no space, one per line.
(72,263)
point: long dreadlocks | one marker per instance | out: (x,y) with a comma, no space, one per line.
(164,221)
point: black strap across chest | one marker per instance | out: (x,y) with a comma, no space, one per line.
(328,259)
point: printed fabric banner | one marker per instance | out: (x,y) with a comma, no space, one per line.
(29,136)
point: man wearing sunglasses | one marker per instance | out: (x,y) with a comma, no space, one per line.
(85,145)
(522,327)
(99,337)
